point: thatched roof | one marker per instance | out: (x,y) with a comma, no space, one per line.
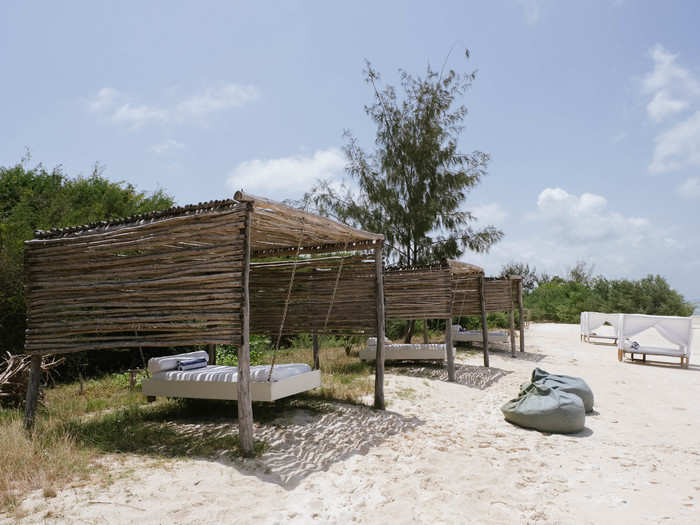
(276,227)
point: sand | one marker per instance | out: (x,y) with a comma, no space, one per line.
(442,453)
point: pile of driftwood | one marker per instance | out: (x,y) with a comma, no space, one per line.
(14,376)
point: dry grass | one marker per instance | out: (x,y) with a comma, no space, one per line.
(74,428)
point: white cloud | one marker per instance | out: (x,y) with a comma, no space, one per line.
(531,10)
(664,105)
(563,228)
(287,177)
(216,99)
(104,100)
(668,74)
(167,146)
(690,189)
(677,147)
(674,91)
(492,214)
(118,108)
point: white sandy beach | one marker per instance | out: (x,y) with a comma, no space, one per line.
(442,453)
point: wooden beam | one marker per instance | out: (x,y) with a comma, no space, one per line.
(484,322)
(511,317)
(211,350)
(379,361)
(317,361)
(520,313)
(32,392)
(425,331)
(449,350)
(245,405)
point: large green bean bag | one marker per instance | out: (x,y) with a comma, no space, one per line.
(573,385)
(546,409)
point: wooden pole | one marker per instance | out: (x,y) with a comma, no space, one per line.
(512,320)
(32,392)
(425,331)
(245,405)
(484,323)
(379,360)
(317,361)
(211,349)
(520,313)
(449,349)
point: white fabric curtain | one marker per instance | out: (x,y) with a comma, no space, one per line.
(677,330)
(591,321)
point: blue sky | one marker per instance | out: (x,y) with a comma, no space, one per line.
(590,110)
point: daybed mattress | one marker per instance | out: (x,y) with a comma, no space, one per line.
(219,382)
(495,336)
(405,352)
(655,350)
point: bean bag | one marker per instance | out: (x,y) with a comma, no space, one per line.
(546,409)
(573,385)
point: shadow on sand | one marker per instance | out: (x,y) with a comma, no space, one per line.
(297,437)
(467,375)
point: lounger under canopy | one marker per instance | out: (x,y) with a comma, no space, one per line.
(404,352)
(219,382)
(593,322)
(676,330)
(459,334)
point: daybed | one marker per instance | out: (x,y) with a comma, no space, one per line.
(404,352)
(460,334)
(676,330)
(219,382)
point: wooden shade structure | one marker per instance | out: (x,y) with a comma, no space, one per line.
(185,277)
(451,289)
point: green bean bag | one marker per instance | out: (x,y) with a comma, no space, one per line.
(573,385)
(546,409)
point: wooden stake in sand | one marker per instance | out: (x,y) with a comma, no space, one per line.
(245,405)
(379,361)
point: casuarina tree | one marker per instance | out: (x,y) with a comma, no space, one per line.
(412,186)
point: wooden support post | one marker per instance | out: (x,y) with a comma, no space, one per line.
(450,351)
(211,350)
(484,321)
(317,360)
(245,405)
(32,392)
(425,331)
(379,360)
(512,331)
(521,314)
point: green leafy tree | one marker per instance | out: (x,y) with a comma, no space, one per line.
(38,198)
(412,187)
(529,275)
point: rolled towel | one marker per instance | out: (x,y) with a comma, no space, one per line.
(634,345)
(191,364)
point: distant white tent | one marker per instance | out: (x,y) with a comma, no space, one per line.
(591,322)
(676,330)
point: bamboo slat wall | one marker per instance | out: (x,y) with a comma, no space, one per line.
(167,279)
(353,308)
(418,293)
(441,291)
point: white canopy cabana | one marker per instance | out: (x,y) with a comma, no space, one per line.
(592,321)
(676,330)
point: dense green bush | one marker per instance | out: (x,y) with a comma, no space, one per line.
(562,300)
(37,198)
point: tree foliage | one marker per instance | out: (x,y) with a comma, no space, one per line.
(413,185)
(38,198)
(563,299)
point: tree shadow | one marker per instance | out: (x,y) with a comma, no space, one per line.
(468,375)
(294,438)
(505,352)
